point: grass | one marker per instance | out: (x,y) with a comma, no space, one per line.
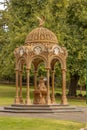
(77,102)
(16,123)
(7,94)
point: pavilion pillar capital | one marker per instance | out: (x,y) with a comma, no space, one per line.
(27,69)
(64,70)
(20,71)
(16,69)
(47,68)
(36,71)
(53,71)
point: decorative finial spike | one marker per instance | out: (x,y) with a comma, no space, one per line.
(41,21)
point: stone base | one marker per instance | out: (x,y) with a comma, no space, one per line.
(40,109)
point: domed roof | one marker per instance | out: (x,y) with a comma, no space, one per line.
(41,35)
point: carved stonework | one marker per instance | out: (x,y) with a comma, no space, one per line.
(40,94)
(41,35)
(21,51)
(37,50)
(56,50)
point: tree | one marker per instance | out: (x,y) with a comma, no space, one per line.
(71,28)
(3,41)
(76,41)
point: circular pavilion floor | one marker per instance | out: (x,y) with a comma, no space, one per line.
(37,108)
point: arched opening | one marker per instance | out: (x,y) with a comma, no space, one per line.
(53,63)
(39,73)
(23,73)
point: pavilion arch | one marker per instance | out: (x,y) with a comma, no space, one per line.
(55,59)
(36,60)
(40,58)
(20,62)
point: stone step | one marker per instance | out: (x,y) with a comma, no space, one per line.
(39,111)
(39,105)
(27,108)
(37,108)
(27,111)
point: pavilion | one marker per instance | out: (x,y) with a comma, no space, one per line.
(41,45)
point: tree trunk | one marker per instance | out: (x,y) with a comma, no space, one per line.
(73,84)
(80,89)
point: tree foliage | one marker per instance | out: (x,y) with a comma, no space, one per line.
(76,42)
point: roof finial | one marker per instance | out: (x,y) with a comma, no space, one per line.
(41,21)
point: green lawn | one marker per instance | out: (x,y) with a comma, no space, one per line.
(16,123)
(7,94)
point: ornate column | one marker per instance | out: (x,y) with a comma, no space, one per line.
(53,96)
(21,99)
(64,98)
(48,88)
(35,85)
(35,79)
(27,90)
(17,97)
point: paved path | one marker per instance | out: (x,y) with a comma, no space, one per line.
(72,116)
